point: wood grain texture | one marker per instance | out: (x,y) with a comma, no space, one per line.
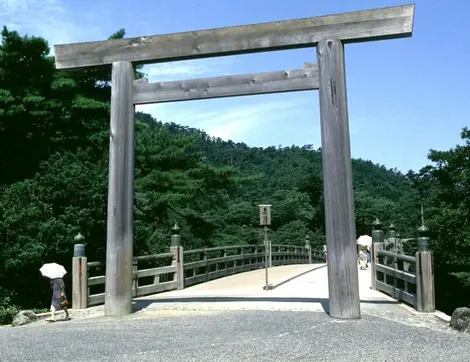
(425,297)
(79,282)
(119,244)
(374,250)
(227,86)
(376,24)
(340,225)
(395,293)
(178,263)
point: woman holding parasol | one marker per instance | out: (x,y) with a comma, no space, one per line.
(59,299)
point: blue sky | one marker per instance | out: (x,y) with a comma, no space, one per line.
(405,96)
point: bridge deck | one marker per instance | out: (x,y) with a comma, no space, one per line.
(294,286)
(234,319)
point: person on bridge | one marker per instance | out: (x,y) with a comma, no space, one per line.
(362,259)
(59,299)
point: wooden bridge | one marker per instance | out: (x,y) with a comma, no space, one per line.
(212,305)
(180,269)
(264,270)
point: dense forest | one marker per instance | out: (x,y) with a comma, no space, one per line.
(54,169)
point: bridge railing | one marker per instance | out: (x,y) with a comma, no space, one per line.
(405,278)
(397,280)
(180,268)
(202,265)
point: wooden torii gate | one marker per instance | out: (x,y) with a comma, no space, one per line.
(327,33)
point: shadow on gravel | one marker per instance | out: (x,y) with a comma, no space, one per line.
(138,305)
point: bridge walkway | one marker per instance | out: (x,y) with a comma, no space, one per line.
(302,287)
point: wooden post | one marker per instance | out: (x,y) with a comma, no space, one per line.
(392,237)
(309,249)
(135,278)
(79,274)
(377,244)
(270,254)
(79,282)
(343,283)
(425,297)
(176,247)
(119,244)
(178,262)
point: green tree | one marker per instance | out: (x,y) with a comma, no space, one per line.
(446,184)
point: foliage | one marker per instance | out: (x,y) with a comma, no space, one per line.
(7,314)
(445,186)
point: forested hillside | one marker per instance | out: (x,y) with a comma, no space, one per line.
(54,170)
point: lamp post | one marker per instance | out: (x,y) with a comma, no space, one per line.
(265,221)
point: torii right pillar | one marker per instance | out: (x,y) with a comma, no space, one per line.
(343,283)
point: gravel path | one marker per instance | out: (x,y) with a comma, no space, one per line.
(218,322)
(217,333)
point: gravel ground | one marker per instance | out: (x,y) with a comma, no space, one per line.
(220,334)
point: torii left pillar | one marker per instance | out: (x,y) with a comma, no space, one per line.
(119,243)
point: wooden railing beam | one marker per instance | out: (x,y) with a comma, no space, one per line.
(248,257)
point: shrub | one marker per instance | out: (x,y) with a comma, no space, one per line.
(7,314)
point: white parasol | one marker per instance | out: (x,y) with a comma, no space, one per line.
(53,270)
(365,240)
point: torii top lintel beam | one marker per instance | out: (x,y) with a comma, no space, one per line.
(359,26)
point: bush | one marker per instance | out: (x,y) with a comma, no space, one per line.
(7,314)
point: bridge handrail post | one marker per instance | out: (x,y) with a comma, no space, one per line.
(79,274)
(425,292)
(176,247)
(377,244)
(392,238)
(308,246)
(241,252)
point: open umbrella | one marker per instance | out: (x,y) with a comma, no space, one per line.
(365,240)
(52,270)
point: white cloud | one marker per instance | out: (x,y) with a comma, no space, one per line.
(46,18)
(237,121)
(188,69)
(59,23)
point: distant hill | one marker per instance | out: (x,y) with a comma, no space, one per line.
(379,192)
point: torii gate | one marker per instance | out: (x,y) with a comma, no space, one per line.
(327,33)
